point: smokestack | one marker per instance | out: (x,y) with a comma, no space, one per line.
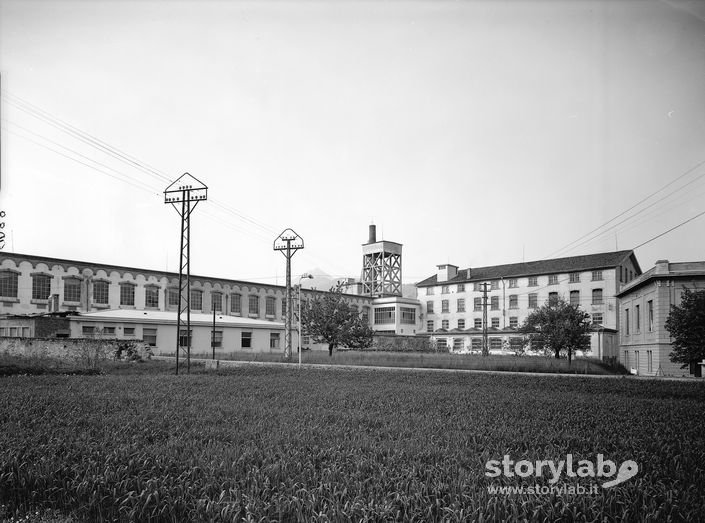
(373,234)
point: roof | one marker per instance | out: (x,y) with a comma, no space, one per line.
(169,317)
(666,270)
(585,262)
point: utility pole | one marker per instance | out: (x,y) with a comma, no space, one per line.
(288,242)
(213,330)
(188,191)
(485,346)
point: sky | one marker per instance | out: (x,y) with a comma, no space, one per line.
(472,132)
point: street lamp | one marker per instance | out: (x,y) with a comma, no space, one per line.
(309,276)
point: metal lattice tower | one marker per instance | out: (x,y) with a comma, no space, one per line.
(187,191)
(288,242)
(381,267)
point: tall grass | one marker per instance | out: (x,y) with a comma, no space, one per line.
(431,360)
(287,444)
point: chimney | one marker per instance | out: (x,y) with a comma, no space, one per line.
(373,234)
(446,272)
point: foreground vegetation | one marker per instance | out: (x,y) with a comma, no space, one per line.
(339,444)
(438,360)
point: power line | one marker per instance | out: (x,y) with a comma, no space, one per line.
(686,173)
(669,230)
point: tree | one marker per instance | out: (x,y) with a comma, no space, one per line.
(686,324)
(329,318)
(558,327)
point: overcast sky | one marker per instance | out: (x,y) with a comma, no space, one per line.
(475,133)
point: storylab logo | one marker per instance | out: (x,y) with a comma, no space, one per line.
(600,469)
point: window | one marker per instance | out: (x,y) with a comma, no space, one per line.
(217,338)
(127,294)
(650,312)
(384,315)
(442,343)
(235,304)
(246,340)
(513,322)
(173,297)
(649,361)
(626,322)
(429,307)
(495,344)
(445,289)
(552,297)
(476,344)
(461,323)
(533,281)
(553,279)
(476,287)
(8,284)
(185,337)
(596,275)
(461,287)
(533,301)
(41,286)
(516,344)
(101,292)
(461,305)
(494,285)
(72,290)
(88,330)
(408,315)
(513,301)
(495,323)
(150,337)
(216,302)
(196,300)
(575,298)
(151,297)
(597,318)
(109,331)
(637,318)
(429,326)
(445,325)
(429,291)
(597,296)
(631,275)
(494,303)
(458,344)
(574,277)
(478,323)
(274,340)
(477,302)
(253,305)
(445,307)
(513,283)
(129,331)
(270,306)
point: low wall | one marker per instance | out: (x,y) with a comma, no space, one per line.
(397,343)
(83,351)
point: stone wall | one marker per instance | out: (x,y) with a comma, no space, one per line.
(77,351)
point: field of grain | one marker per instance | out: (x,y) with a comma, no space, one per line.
(336,444)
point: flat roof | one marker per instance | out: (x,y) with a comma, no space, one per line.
(169,317)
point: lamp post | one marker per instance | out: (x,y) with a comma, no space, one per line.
(309,276)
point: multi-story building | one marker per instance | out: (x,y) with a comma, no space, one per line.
(454,310)
(645,304)
(116,297)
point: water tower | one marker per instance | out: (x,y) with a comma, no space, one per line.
(381,267)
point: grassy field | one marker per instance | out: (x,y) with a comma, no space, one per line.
(432,360)
(334,444)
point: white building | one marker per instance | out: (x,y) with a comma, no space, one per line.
(453,298)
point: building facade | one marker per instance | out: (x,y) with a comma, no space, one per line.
(453,299)
(31,285)
(645,304)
